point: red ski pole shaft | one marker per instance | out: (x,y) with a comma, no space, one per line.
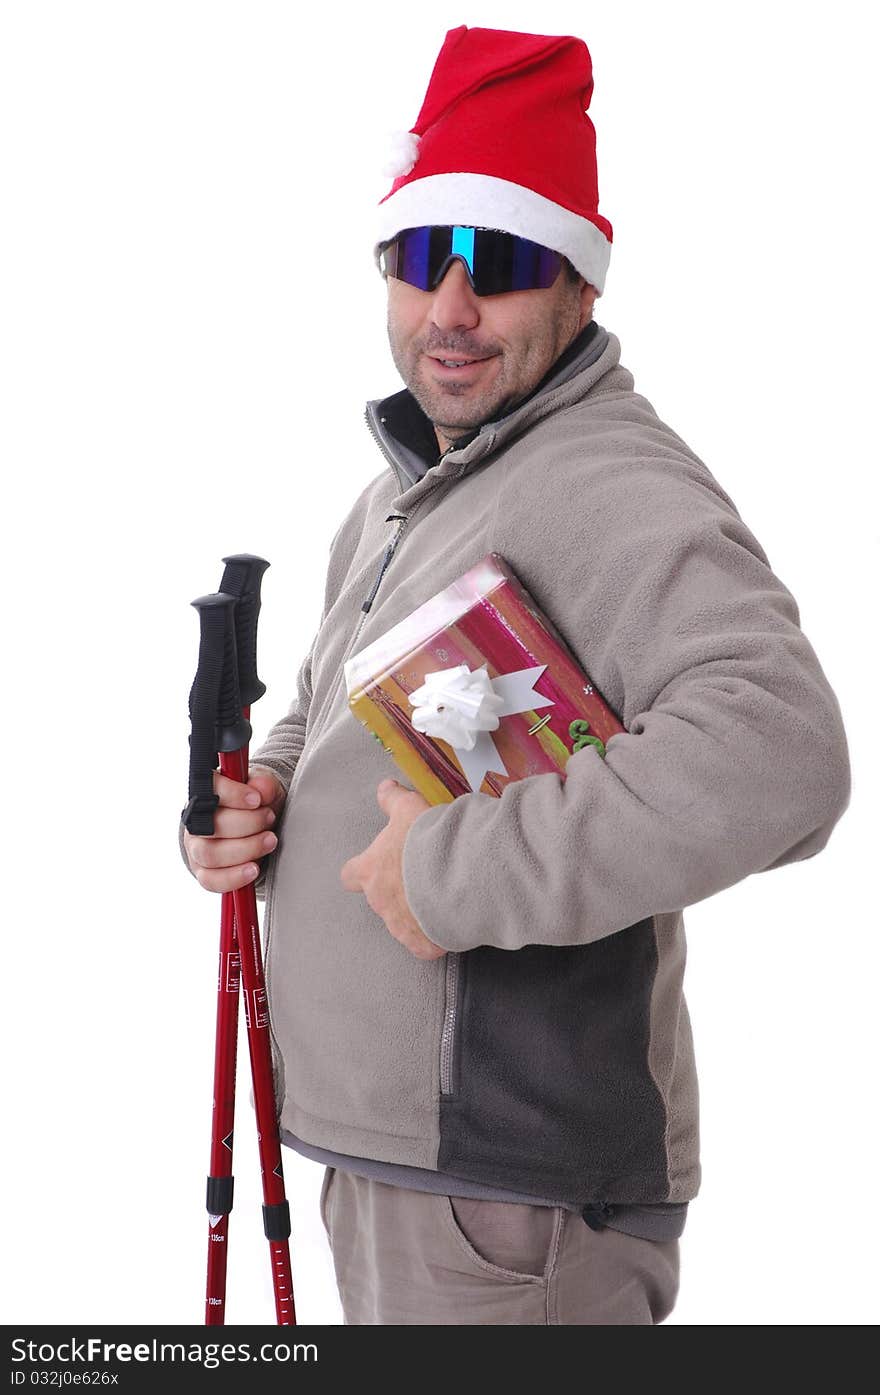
(276,1212)
(220,1179)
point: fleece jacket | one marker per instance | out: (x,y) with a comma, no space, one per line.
(411,434)
(549,1051)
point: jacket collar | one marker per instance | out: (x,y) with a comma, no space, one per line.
(405,442)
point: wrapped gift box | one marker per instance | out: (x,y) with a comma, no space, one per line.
(476,688)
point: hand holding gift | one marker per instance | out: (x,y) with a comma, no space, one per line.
(378,870)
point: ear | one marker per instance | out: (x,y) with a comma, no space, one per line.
(588,296)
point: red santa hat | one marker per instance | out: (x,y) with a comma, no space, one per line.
(503,140)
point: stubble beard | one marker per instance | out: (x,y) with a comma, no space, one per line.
(437,402)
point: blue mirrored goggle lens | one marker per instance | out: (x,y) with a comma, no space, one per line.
(496,262)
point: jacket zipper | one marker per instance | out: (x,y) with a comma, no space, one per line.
(447,1035)
(402,519)
(404,484)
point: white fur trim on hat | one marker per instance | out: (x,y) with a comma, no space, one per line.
(483,201)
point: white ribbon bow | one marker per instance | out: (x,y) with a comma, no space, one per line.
(462,706)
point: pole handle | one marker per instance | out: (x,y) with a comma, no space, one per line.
(217,723)
(242,578)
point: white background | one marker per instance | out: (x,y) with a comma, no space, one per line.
(191,323)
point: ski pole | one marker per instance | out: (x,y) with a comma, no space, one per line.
(242,577)
(205,701)
(220,728)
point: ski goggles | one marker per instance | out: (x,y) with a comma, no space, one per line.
(496,262)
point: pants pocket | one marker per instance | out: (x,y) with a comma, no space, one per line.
(512,1237)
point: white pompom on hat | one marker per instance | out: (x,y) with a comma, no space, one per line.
(403,153)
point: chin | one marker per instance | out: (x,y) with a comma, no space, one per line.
(445,416)
(456,406)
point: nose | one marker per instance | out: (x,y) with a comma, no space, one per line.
(455,304)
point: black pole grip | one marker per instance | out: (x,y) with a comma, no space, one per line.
(204,704)
(233,729)
(243,577)
(216,720)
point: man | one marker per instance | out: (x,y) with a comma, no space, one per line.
(477,1007)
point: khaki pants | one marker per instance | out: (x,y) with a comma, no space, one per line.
(404,1257)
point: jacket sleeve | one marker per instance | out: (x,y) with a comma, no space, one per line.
(283,745)
(734,759)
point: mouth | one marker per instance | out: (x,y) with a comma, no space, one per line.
(458,365)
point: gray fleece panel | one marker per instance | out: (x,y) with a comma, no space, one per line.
(548,1087)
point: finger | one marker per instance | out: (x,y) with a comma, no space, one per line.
(233,794)
(227,878)
(230,852)
(242,823)
(267,786)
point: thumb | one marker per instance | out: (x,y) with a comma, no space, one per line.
(385,790)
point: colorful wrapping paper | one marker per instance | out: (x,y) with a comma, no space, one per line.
(544,704)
